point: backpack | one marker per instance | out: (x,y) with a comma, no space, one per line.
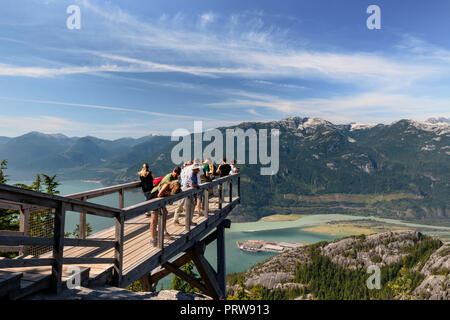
(157,181)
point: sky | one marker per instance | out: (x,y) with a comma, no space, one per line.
(140,67)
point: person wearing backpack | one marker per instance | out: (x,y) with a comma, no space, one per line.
(162,180)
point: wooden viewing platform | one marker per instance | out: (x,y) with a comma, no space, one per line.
(121,254)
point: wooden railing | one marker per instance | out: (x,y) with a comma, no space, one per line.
(14,196)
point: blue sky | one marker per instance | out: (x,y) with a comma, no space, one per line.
(141,67)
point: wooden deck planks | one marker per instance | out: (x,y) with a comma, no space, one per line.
(137,246)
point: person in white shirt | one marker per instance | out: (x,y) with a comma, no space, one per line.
(187,183)
(234,169)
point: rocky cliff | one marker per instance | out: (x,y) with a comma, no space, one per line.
(413,266)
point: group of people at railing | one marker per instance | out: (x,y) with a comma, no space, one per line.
(190,175)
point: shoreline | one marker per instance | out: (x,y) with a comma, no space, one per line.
(315,220)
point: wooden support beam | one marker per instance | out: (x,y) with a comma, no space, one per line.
(118,250)
(189,279)
(33,262)
(231,190)
(11,233)
(21,240)
(29,198)
(10,205)
(188,213)
(239,187)
(181,261)
(24,226)
(18,249)
(208,275)
(220,196)
(161,227)
(221,269)
(206,203)
(82,223)
(121,198)
(104,191)
(58,248)
(146,283)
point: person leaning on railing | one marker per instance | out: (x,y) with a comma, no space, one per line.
(190,178)
(234,169)
(167,189)
(174,175)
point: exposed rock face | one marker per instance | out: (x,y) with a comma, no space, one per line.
(113,293)
(436,285)
(439,261)
(270,280)
(434,288)
(278,269)
(379,249)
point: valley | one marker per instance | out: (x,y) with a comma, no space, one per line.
(397,171)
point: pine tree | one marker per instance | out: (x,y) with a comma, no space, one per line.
(181,285)
(51,184)
(3,166)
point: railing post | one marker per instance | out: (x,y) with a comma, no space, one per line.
(82,223)
(161,227)
(121,199)
(205,202)
(231,190)
(187,210)
(220,196)
(118,249)
(221,272)
(58,248)
(239,186)
(24,227)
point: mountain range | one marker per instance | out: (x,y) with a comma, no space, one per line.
(86,157)
(398,170)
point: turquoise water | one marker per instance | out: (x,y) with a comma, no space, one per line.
(236,259)
(97,223)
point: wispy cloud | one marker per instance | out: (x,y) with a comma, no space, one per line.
(206,19)
(239,47)
(39,72)
(383,106)
(242,50)
(131,110)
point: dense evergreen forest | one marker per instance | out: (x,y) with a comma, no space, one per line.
(322,279)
